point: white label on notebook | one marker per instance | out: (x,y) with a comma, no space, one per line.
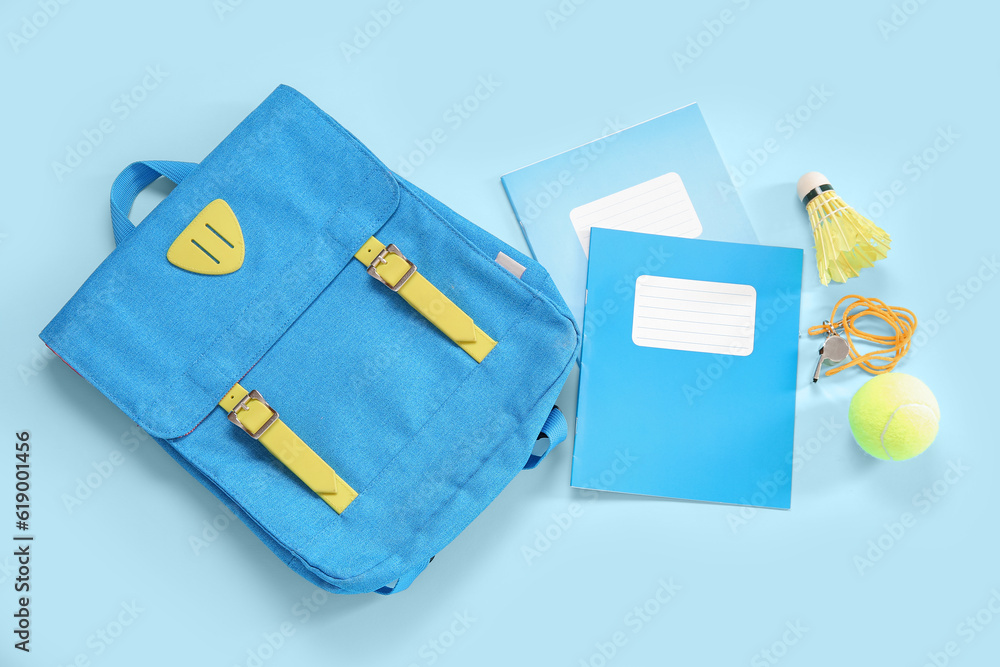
(658,206)
(694,315)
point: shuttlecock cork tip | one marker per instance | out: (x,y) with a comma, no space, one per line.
(810,182)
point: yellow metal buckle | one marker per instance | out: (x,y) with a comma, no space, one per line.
(254,395)
(380,259)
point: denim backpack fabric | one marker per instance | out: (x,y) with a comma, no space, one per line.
(426,435)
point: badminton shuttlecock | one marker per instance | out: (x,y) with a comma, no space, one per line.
(846,241)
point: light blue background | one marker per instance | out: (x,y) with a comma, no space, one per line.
(741,583)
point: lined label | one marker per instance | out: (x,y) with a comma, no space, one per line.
(694,315)
(658,206)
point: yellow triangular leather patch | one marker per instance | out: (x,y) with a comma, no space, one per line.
(212,244)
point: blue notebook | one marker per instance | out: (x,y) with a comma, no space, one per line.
(663,176)
(688,370)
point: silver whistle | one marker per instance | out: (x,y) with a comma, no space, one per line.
(835,349)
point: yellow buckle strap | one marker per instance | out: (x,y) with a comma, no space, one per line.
(388,265)
(250,412)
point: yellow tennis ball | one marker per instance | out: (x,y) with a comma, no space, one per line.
(894,417)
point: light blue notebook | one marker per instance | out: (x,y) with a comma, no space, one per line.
(688,370)
(663,176)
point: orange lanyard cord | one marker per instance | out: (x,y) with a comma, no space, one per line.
(902,321)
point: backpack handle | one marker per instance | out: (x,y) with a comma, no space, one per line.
(131,181)
(556,430)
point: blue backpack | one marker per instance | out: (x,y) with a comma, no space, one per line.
(354,369)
